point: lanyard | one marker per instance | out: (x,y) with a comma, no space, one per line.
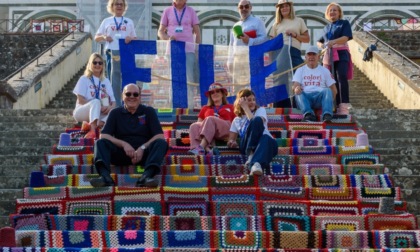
(118,26)
(244,127)
(182,15)
(330,34)
(216,110)
(97,88)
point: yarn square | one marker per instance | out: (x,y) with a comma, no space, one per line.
(186,239)
(184,181)
(288,223)
(240,239)
(137,208)
(281,169)
(317,134)
(88,208)
(234,208)
(62,159)
(238,223)
(171,194)
(281,181)
(317,159)
(391,222)
(282,193)
(44,192)
(84,192)
(238,194)
(184,160)
(285,208)
(39,206)
(239,180)
(124,222)
(398,239)
(132,238)
(226,169)
(332,193)
(340,223)
(320,169)
(327,208)
(347,240)
(30,222)
(188,209)
(30,238)
(75,239)
(360,159)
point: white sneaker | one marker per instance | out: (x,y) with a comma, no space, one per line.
(248,161)
(256,169)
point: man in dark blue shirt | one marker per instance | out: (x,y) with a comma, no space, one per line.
(132,135)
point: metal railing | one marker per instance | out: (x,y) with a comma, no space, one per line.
(388,24)
(404,59)
(50,49)
(41,25)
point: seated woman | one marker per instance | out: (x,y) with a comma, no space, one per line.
(213,122)
(95,97)
(250,125)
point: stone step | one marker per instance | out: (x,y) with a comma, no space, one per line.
(407,150)
(4,221)
(401,170)
(389,134)
(19,169)
(53,134)
(394,142)
(14,182)
(25,150)
(36,112)
(13,126)
(378,124)
(22,160)
(394,115)
(34,119)
(399,160)
(10,141)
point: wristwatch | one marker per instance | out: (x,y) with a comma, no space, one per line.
(143,147)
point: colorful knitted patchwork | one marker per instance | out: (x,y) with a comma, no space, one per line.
(364,169)
(353,150)
(358,159)
(310,133)
(59,170)
(186,170)
(86,159)
(288,223)
(63,150)
(320,169)
(88,207)
(300,128)
(344,141)
(137,208)
(339,223)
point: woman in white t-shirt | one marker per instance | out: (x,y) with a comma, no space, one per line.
(111,30)
(250,124)
(95,97)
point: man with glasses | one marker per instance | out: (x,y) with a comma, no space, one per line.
(248,31)
(132,136)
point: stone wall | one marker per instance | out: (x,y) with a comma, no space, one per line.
(406,42)
(18,49)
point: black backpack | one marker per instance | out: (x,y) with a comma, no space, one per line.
(367,56)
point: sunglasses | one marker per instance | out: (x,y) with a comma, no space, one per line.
(215,92)
(128,94)
(97,63)
(246,7)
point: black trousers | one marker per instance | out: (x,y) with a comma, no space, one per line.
(107,153)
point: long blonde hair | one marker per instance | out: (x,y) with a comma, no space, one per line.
(111,3)
(279,17)
(88,71)
(327,11)
(242,93)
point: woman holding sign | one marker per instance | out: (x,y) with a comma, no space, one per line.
(113,29)
(95,97)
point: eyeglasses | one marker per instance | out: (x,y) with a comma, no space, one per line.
(118,4)
(246,7)
(98,63)
(128,94)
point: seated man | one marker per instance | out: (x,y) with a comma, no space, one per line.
(314,88)
(132,135)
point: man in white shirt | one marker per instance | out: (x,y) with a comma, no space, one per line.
(314,88)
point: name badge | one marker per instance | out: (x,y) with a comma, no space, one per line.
(118,35)
(179,29)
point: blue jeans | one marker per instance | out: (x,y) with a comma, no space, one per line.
(263,146)
(307,102)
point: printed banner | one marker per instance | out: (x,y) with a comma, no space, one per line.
(173,77)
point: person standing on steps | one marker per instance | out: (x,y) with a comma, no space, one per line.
(132,135)
(338,58)
(180,22)
(250,124)
(111,30)
(95,97)
(293,29)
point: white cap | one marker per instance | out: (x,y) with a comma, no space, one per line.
(312,49)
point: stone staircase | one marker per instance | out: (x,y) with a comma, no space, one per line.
(25,136)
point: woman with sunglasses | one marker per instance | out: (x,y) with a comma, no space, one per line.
(213,122)
(293,28)
(95,97)
(111,30)
(250,124)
